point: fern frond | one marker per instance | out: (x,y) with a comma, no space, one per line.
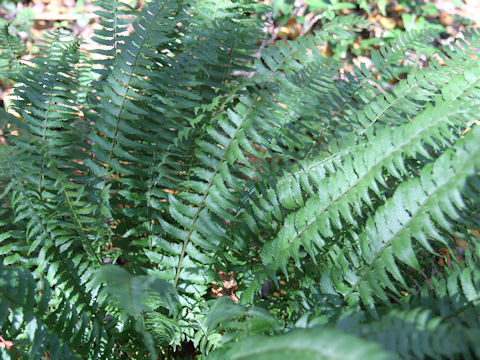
(31,317)
(461,49)
(239,320)
(321,344)
(453,293)
(114,19)
(417,334)
(411,96)
(360,174)
(11,50)
(131,293)
(437,201)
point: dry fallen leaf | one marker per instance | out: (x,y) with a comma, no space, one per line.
(445,18)
(446,259)
(6,344)
(229,285)
(475,233)
(291,29)
(387,23)
(439,59)
(474,122)
(461,243)
(325,50)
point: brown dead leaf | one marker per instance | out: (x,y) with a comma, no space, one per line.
(229,285)
(228,281)
(357,43)
(291,30)
(439,59)
(283,32)
(6,344)
(387,23)
(171,191)
(217,291)
(295,31)
(474,122)
(325,49)
(461,243)
(445,18)
(399,9)
(446,259)
(475,233)
(373,17)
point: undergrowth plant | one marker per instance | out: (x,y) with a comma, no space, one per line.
(343,205)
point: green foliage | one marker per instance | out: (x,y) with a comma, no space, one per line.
(318,344)
(43,322)
(11,48)
(345,205)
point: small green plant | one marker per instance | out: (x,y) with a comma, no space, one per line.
(345,209)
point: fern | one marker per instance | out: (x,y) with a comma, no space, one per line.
(299,344)
(51,326)
(344,208)
(11,51)
(417,334)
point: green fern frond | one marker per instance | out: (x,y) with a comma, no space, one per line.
(321,344)
(114,18)
(131,293)
(358,177)
(416,334)
(437,201)
(11,50)
(239,320)
(31,318)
